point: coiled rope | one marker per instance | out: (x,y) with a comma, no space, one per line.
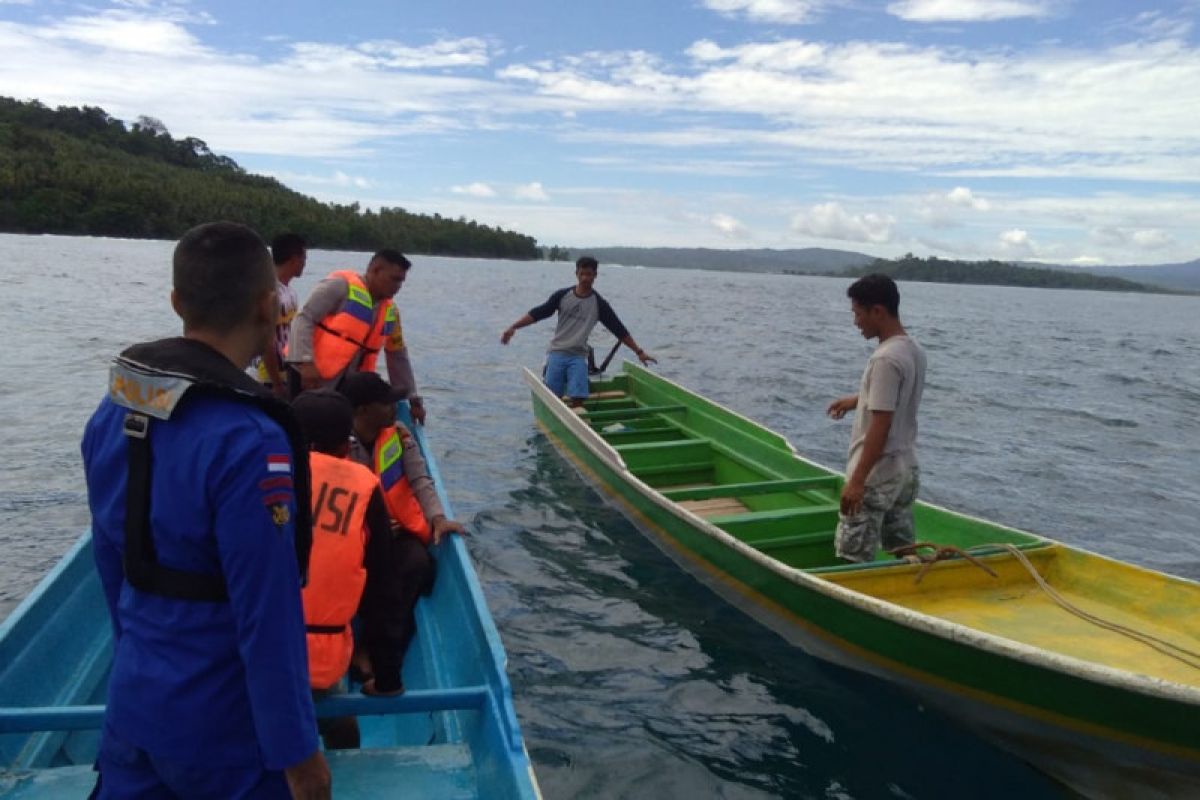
(1182,654)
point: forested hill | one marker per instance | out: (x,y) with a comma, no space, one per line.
(80,171)
(996,273)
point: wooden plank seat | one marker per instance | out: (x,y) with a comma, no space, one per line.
(714,507)
(793,540)
(776,515)
(748,489)
(621,414)
(753,527)
(615,437)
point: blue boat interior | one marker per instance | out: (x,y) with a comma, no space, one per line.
(453,734)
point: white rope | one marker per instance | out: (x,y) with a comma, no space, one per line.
(1182,654)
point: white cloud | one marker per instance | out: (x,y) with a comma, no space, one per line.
(1044,112)
(962,196)
(967,10)
(477,189)
(531,191)
(127,32)
(1115,236)
(1016,243)
(1152,239)
(1158,25)
(729,226)
(946,209)
(338,179)
(390,54)
(1087,261)
(786,56)
(791,12)
(831,221)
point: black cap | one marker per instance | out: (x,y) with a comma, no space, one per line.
(326,418)
(361,388)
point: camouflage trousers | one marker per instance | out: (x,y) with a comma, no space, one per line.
(884,518)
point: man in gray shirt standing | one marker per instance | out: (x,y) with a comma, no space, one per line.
(882,476)
(579,308)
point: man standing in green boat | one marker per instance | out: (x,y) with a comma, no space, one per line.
(579,308)
(882,476)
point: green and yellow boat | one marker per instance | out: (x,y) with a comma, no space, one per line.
(1086,667)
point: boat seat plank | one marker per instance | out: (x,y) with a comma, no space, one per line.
(775,515)
(714,507)
(662,447)
(611,394)
(667,469)
(780,542)
(747,489)
(626,433)
(619,414)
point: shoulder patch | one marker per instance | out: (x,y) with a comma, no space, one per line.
(153,395)
(280,514)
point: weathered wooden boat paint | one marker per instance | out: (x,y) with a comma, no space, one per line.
(735,504)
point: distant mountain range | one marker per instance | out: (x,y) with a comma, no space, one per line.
(820,260)
(1184,276)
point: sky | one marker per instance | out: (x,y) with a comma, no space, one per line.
(1064,131)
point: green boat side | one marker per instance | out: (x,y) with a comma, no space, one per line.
(654,447)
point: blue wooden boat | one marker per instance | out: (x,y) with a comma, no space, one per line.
(453,734)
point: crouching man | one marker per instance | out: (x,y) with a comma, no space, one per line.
(351,571)
(389,450)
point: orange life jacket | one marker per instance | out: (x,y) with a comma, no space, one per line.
(360,325)
(402,504)
(336,575)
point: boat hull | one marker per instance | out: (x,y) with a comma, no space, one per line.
(453,734)
(1101,739)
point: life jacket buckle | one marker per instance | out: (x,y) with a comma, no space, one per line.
(136,425)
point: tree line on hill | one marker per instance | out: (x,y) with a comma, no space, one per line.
(80,171)
(994,273)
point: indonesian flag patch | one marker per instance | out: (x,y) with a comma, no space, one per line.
(279,463)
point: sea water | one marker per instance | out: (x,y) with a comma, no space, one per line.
(1072,414)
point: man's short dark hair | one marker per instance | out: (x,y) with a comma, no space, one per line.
(220,270)
(587,262)
(392,257)
(876,290)
(326,418)
(286,246)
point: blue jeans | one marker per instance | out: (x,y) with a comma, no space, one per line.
(569,371)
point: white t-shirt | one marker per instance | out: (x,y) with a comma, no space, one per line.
(893,380)
(283,326)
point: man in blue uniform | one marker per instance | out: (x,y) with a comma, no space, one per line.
(198,487)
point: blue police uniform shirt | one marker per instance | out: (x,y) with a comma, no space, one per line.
(224,684)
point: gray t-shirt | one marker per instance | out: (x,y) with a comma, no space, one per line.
(576,318)
(893,380)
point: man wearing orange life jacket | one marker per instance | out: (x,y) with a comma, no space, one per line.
(345,323)
(387,447)
(351,569)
